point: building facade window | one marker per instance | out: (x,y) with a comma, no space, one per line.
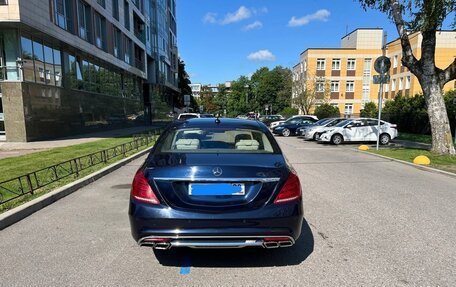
(127,15)
(117,43)
(348,109)
(351,64)
(100,31)
(393,85)
(401,83)
(321,64)
(60,13)
(127,50)
(320,86)
(115,9)
(350,87)
(334,86)
(407,82)
(83,20)
(3,2)
(395,61)
(28,67)
(336,64)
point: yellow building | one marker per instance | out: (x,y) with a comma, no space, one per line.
(402,80)
(343,76)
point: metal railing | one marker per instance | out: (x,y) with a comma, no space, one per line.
(29,183)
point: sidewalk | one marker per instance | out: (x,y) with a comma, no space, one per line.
(12,149)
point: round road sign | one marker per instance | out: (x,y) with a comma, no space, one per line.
(382,64)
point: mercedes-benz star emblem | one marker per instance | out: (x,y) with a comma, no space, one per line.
(217,171)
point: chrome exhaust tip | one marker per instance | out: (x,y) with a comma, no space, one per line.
(162,245)
(271,244)
(287,243)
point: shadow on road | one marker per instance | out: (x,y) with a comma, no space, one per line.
(246,257)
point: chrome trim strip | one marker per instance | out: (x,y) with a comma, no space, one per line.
(239,179)
(216,244)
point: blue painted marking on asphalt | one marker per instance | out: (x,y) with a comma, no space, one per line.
(185,268)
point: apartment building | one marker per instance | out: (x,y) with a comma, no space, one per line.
(402,80)
(72,66)
(343,76)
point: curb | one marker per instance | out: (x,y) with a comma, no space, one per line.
(421,167)
(17,214)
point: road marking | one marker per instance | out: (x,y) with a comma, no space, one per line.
(185,268)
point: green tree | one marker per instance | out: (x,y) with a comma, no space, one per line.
(327,111)
(289,111)
(425,16)
(237,101)
(270,87)
(184,86)
(370,110)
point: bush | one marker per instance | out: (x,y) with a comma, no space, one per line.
(289,111)
(369,111)
(327,111)
(410,113)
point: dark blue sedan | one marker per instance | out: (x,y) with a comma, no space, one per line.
(290,126)
(216,183)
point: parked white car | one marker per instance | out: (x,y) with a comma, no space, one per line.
(312,132)
(274,124)
(359,130)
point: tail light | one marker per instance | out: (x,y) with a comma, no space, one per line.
(291,190)
(393,126)
(142,191)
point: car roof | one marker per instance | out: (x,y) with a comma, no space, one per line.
(224,122)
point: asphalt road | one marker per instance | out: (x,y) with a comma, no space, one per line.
(370,222)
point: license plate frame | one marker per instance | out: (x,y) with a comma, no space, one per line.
(216,189)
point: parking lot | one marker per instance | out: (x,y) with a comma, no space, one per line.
(369,222)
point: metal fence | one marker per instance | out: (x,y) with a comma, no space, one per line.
(29,183)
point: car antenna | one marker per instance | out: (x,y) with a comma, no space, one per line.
(217,120)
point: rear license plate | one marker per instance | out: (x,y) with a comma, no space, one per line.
(216,189)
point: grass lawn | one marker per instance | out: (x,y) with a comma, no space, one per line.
(415,138)
(17,166)
(443,162)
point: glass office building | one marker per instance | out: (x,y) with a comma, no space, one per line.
(73,66)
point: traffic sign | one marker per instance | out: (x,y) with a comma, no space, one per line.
(381,79)
(382,64)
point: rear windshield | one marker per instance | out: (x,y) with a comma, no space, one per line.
(187,117)
(217,140)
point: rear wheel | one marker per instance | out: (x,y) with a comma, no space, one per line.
(384,139)
(337,139)
(286,132)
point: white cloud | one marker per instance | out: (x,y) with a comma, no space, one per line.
(254,25)
(320,15)
(261,55)
(241,14)
(210,18)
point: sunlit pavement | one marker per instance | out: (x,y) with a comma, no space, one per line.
(370,222)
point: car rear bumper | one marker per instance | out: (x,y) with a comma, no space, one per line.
(176,228)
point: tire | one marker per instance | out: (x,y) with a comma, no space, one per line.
(316,136)
(337,139)
(384,139)
(286,132)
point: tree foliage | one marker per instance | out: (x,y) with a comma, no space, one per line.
(370,110)
(327,111)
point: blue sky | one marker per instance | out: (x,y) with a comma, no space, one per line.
(220,40)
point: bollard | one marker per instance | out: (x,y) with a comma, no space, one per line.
(363,147)
(422,160)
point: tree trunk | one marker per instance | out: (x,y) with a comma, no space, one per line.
(442,141)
